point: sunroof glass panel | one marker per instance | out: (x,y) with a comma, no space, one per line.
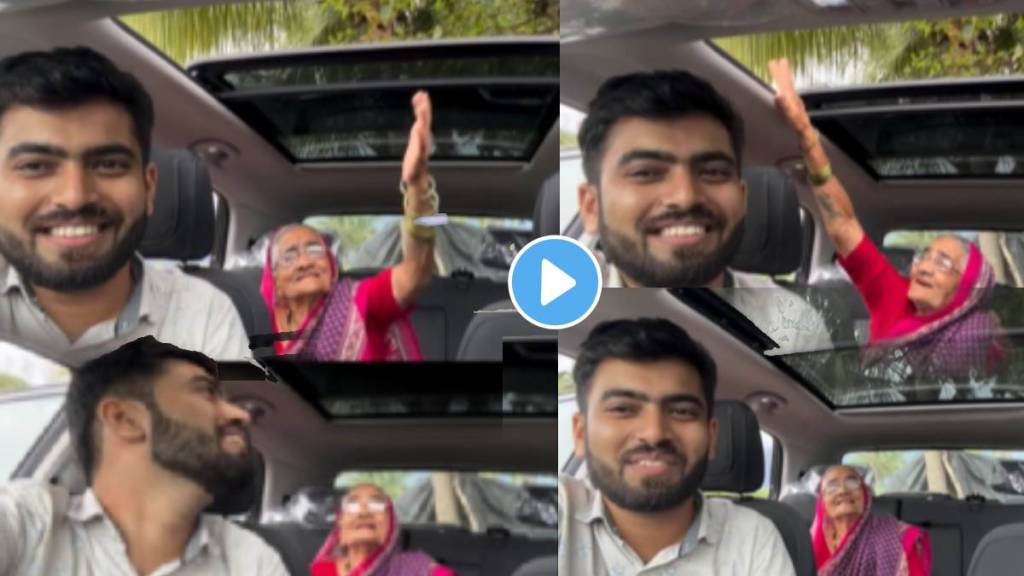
(497,105)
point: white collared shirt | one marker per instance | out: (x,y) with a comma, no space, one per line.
(45,532)
(724,540)
(165,302)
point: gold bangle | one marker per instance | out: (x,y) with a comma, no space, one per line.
(820,177)
(431,195)
(421,233)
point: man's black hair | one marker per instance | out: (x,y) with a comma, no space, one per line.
(642,340)
(658,95)
(128,372)
(67,77)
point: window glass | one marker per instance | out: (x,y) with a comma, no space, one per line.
(483,246)
(32,389)
(992,474)
(525,504)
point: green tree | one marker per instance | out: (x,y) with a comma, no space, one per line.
(567,140)
(11,383)
(189,33)
(950,48)
(566,385)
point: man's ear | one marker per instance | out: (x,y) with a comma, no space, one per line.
(579,435)
(590,208)
(123,418)
(149,176)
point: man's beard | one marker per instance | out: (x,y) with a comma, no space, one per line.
(73,273)
(688,268)
(198,456)
(656,494)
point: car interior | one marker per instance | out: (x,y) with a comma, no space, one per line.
(774,400)
(226,179)
(600,44)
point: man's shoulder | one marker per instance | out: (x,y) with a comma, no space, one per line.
(240,540)
(35,497)
(176,283)
(738,519)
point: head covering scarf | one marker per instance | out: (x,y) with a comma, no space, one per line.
(334,328)
(388,560)
(877,544)
(961,341)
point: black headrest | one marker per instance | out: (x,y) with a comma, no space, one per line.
(738,465)
(545,211)
(181,227)
(773,237)
(243,501)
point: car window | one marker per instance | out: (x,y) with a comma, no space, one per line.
(520,503)
(31,391)
(991,474)
(483,246)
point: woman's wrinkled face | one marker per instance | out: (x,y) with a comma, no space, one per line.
(301,264)
(363,517)
(935,274)
(842,493)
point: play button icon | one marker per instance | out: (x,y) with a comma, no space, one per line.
(554,282)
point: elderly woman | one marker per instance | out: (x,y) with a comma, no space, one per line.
(939,312)
(364,541)
(365,320)
(851,540)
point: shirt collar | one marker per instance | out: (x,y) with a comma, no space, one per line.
(87,507)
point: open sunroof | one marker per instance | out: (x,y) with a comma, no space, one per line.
(493,100)
(968,129)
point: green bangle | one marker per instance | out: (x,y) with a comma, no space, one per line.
(820,177)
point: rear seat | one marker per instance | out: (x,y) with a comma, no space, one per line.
(497,551)
(955,527)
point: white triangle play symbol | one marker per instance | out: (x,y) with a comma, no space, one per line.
(553,282)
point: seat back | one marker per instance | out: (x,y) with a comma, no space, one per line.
(493,322)
(772,233)
(546,566)
(738,467)
(182,226)
(1001,551)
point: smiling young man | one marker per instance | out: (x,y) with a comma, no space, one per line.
(78,186)
(664,195)
(661,154)
(158,442)
(646,392)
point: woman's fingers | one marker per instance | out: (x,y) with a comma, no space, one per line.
(782,76)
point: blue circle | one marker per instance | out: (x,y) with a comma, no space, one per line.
(567,256)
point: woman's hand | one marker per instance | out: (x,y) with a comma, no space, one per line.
(413,273)
(834,203)
(414,164)
(788,102)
